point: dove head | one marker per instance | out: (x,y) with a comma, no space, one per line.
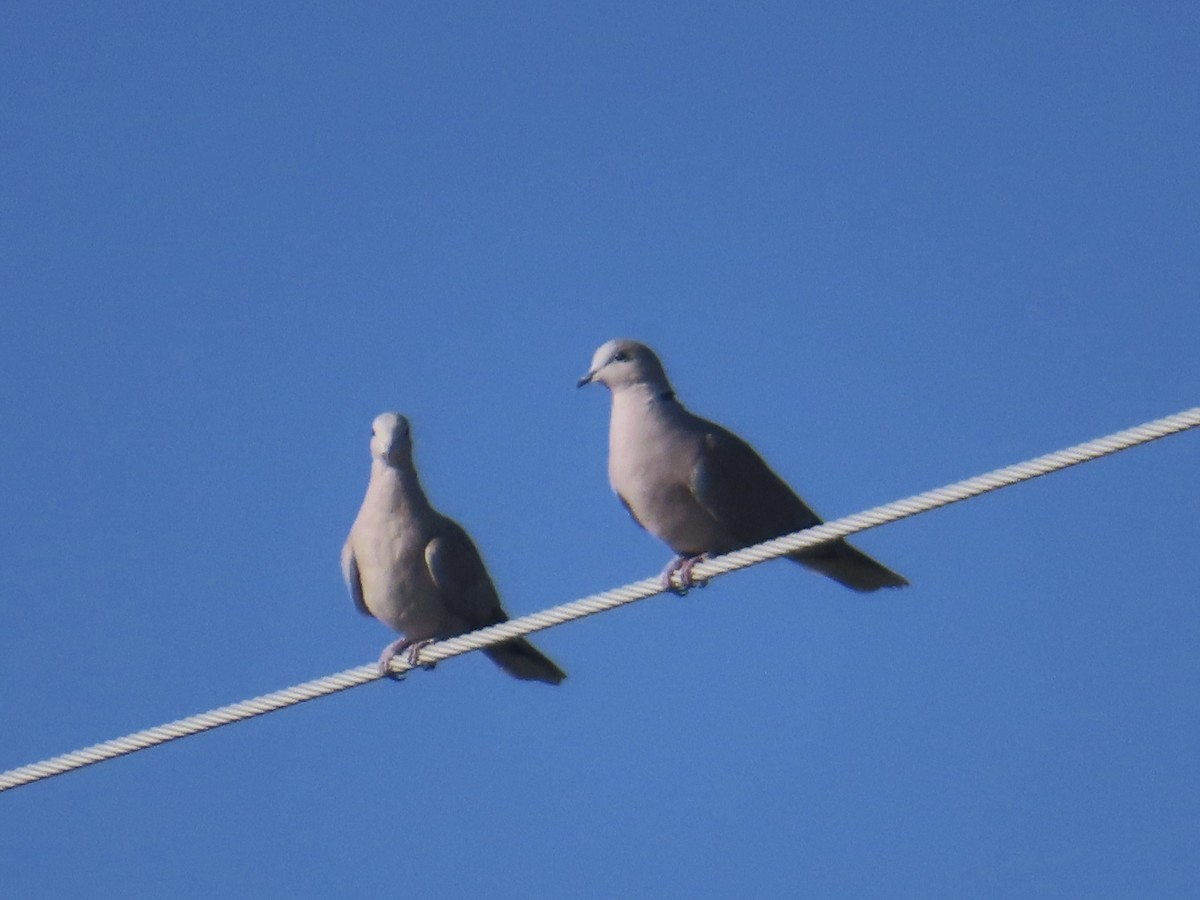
(391,440)
(623,363)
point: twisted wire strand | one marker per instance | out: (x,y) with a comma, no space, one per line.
(606,600)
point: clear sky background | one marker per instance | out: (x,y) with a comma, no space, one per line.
(893,245)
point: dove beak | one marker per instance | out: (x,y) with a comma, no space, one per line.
(586,379)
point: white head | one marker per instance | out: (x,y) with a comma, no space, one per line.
(391,441)
(624,363)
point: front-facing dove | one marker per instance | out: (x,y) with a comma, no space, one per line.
(419,572)
(699,487)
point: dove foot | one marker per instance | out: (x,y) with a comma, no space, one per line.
(411,651)
(414,653)
(389,653)
(677,576)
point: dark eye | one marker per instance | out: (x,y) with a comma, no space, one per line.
(620,356)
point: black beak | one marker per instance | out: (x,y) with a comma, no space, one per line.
(586,379)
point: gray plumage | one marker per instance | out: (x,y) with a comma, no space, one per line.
(418,571)
(697,486)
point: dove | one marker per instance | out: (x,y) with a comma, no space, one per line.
(698,487)
(418,571)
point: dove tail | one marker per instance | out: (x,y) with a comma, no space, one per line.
(521,659)
(849,566)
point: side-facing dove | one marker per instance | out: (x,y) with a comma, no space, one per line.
(697,486)
(419,572)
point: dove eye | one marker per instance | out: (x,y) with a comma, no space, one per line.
(620,356)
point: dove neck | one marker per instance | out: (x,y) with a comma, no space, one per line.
(399,485)
(639,408)
(652,396)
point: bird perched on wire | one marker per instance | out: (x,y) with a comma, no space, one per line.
(418,571)
(697,486)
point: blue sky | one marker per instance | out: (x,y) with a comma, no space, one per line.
(893,245)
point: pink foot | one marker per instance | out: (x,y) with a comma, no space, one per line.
(389,653)
(414,654)
(394,649)
(682,566)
